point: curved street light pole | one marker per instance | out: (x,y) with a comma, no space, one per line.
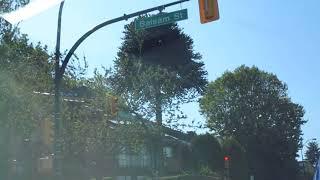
(57,157)
(59,71)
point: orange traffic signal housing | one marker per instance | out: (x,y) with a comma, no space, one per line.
(209,10)
(114,106)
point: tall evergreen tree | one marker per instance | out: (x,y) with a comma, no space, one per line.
(156,70)
(313,153)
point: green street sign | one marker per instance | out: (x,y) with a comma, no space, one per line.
(161,19)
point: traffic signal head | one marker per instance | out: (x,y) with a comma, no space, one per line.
(226,162)
(226,158)
(209,10)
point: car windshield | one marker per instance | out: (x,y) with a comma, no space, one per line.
(159,90)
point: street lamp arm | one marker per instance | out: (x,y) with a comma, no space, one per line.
(124,17)
(59,31)
(57,121)
(79,41)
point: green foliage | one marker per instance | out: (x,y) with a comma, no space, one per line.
(26,73)
(24,69)
(91,134)
(188,177)
(7,6)
(151,77)
(205,171)
(208,152)
(88,134)
(238,162)
(26,82)
(313,153)
(253,107)
(189,161)
(30,65)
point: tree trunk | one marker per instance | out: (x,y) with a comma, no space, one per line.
(158,110)
(158,104)
(159,145)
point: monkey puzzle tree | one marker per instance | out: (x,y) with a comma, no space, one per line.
(156,70)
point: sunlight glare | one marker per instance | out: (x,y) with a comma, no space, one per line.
(33,8)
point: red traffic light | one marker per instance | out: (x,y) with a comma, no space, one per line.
(226,158)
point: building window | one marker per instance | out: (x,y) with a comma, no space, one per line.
(135,161)
(145,160)
(123,160)
(123,178)
(45,164)
(167,151)
(127,159)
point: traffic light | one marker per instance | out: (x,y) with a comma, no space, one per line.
(114,106)
(226,162)
(209,10)
(226,158)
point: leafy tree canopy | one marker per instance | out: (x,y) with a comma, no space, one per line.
(208,151)
(24,70)
(238,162)
(253,107)
(7,6)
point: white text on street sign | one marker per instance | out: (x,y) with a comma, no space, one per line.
(161,19)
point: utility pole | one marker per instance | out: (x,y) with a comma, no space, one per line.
(227,167)
(59,72)
(57,156)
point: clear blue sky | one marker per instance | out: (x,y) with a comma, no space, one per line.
(282,37)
